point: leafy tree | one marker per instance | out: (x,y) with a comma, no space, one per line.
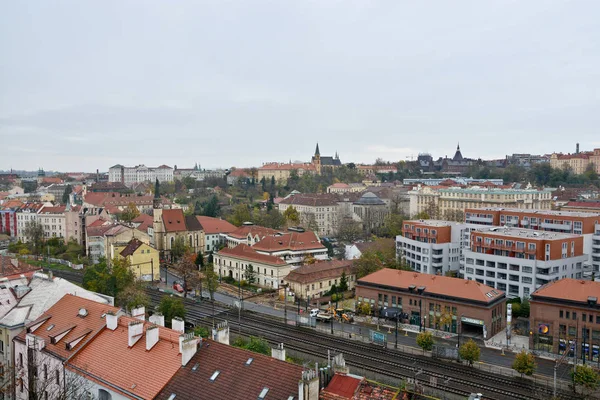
(66,194)
(381,254)
(111,279)
(525,309)
(422,215)
(250,274)
(201,331)
(330,252)
(425,340)
(587,377)
(211,280)
(333,290)
(291,215)
(469,352)
(133,296)
(392,225)
(171,307)
(199,260)
(179,248)
(524,363)
(343,282)
(241,214)
(187,270)
(212,207)
(130,213)
(34,233)
(365,308)
(348,230)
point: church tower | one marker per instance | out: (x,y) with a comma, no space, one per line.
(157,223)
(317,159)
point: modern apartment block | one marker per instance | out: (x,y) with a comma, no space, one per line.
(430,246)
(579,223)
(518,261)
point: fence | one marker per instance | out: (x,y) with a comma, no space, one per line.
(50,260)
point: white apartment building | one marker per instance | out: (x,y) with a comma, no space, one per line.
(432,247)
(139,173)
(518,261)
(26,213)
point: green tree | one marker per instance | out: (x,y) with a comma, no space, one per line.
(171,307)
(130,213)
(422,215)
(211,280)
(200,260)
(291,215)
(425,340)
(392,225)
(178,249)
(333,290)
(327,243)
(469,352)
(66,194)
(201,331)
(250,274)
(187,270)
(586,377)
(212,207)
(241,214)
(365,308)
(133,296)
(343,282)
(255,344)
(34,234)
(111,279)
(524,363)
(525,308)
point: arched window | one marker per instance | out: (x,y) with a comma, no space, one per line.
(104,395)
(172,241)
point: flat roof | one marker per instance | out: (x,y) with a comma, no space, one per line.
(495,191)
(525,233)
(541,212)
(433,222)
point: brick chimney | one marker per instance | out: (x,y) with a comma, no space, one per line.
(178,325)
(157,319)
(188,346)
(134,332)
(151,336)
(111,321)
(139,313)
(221,333)
(279,352)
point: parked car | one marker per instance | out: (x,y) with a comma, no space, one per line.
(177,286)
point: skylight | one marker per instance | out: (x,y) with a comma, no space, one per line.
(214,376)
(263,393)
(50,327)
(172,396)
(195,367)
(249,361)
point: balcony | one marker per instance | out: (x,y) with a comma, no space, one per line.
(486,220)
(546,272)
(596,244)
(559,227)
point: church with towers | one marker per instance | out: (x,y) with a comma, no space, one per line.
(282,171)
(325,161)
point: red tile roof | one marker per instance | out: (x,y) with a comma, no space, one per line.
(312,200)
(136,371)
(215,225)
(53,210)
(174,220)
(441,285)
(12,266)
(583,204)
(65,314)
(131,247)
(341,387)
(145,221)
(320,270)
(245,252)
(292,241)
(236,379)
(287,167)
(569,289)
(254,230)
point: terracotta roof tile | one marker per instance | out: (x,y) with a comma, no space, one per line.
(254,230)
(64,314)
(243,251)
(145,221)
(341,387)
(320,270)
(131,247)
(569,289)
(292,241)
(441,285)
(236,379)
(174,220)
(12,266)
(132,369)
(215,225)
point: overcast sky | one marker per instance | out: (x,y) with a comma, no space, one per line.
(88,84)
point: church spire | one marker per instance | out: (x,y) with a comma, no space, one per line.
(317,152)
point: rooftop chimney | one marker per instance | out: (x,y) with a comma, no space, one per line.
(308,386)
(178,325)
(157,319)
(134,332)
(577,148)
(139,313)
(221,333)
(188,346)
(111,321)
(151,336)
(279,352)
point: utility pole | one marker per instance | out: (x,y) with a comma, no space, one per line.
(284,303)
(396,344)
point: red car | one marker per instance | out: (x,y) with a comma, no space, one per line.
(178,287)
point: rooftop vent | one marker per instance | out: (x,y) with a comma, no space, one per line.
(172,396)
(82,312)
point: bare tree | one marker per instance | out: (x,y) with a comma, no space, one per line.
(188,271)
(348,230)
(34,234)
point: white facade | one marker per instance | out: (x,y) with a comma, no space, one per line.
(595,247)
(140,173)
(265,274)
(23,217)
(55,224)
(433,258)
(519,277)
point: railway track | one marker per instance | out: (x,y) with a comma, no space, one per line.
(464,380)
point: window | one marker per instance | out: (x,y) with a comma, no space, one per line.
(568,314)
(20,360)
(1,346)
(574,315)
(45,371)
(103,395)
(560,314)
(57,377)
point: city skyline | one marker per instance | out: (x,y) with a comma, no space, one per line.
(232,85)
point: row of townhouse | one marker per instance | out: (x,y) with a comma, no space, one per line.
(514,250)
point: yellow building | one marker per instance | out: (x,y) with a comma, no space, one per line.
(578,162)
(143,259)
